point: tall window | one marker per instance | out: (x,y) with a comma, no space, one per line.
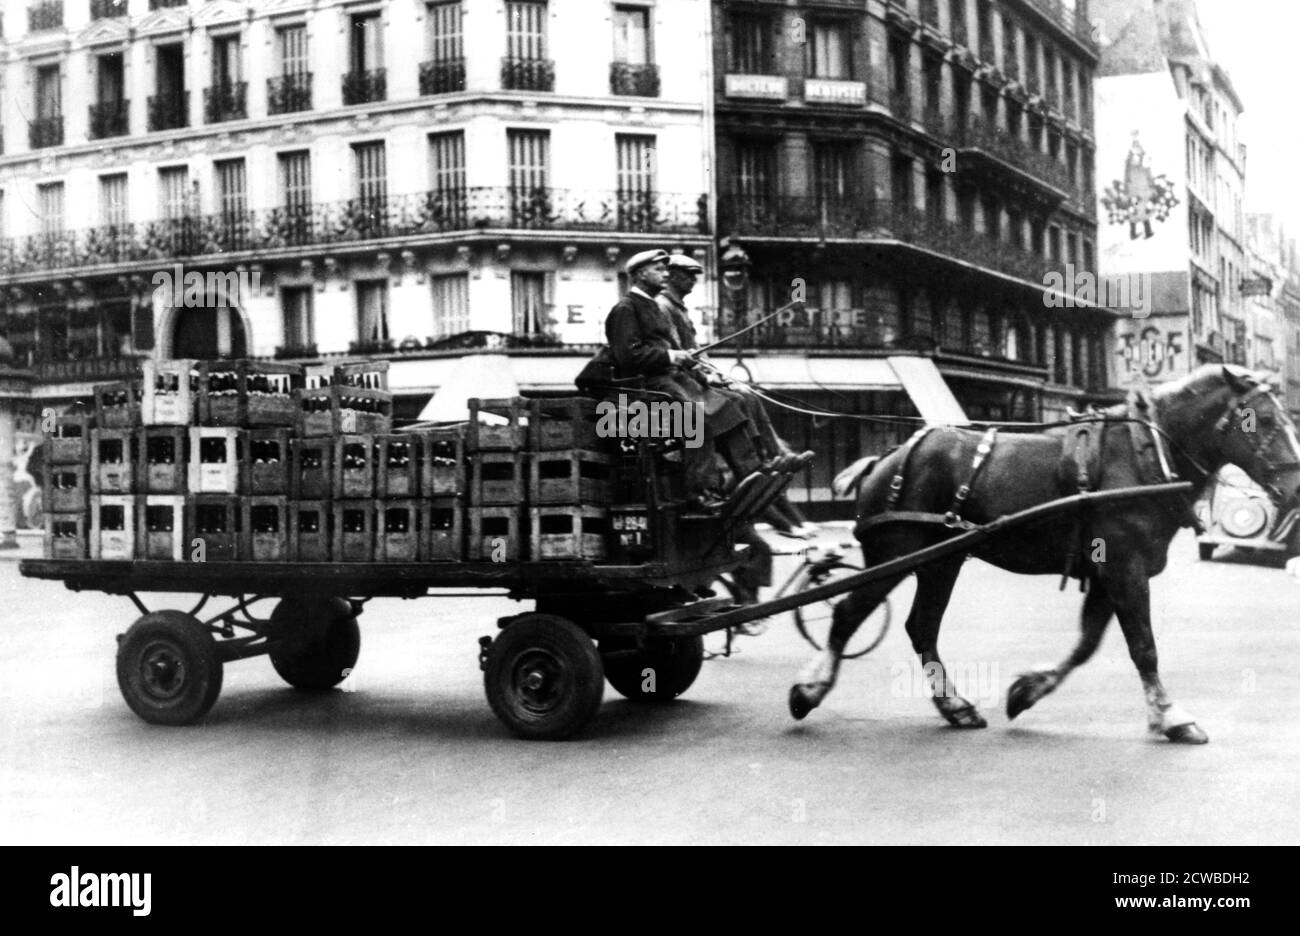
(226,65)
(299,325)
(447,175)
(371,171)
(372,310)
(295,180)
(749,44)
(49,93)
(957,20)
(444,72)
(528,301)
(525,29)
(828,50)
(450,304)
(833,179)
(174,192)
(232,188)
(366,52)
(169,107)
(291,50)
(755,179)
(529,159)
(636,179)
(290,91)
(632,35)
(110,85)
(112,200)
(49,199)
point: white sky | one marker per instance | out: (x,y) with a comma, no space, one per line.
(1255,41)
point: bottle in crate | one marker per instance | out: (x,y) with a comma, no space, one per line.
(310,530)
(398,531)
(364,375)
(65,535)
(66,489)
(312,469)
(269,458)
(117,405)
(442,529)
(442,463)
(265,528)
(398,462)
(217,463)
(214,521)
(160,531)
(354,531)
(239,394)
(114,461)
(69,442)
(354,466)
(335,410)
(164,462)
(112,526)
(171,393)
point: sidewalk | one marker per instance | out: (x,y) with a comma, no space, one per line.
(30,546)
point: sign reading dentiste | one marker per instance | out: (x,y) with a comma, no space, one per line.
(823,91)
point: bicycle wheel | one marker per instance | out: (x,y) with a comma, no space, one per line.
(814,620)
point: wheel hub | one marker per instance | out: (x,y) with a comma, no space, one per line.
(162,671)
(539,678)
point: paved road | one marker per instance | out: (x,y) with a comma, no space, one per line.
(411,752)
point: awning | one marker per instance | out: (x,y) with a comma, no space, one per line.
(929,392)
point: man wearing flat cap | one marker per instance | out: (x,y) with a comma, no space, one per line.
(644,342)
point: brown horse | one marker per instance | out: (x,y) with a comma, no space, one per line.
(1214,416)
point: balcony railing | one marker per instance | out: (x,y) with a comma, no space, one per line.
(442,76)
(1072,21)
(357,220)
(107,9)
(288,94)
(636,80)
(519,74)
(45,15)
(365,87)
(163,4)
(979,135)
(45,131)
(868,220)
(930,13)
(169,111)
(109,119)
(226,101)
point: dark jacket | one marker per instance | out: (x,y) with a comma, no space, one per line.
(640,336)
(672,306)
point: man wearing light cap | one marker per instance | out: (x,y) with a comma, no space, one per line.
(644,342)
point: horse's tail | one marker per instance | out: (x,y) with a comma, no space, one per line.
(847,481)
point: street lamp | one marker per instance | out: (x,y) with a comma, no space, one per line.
(735,264)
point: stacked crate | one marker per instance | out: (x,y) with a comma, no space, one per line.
(495,444)
(66,498)
(569,481)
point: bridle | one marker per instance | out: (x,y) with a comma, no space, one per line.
(1262,445)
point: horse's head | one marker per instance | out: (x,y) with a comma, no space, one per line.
(1255,433)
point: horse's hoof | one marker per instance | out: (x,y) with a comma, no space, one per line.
(800,705)
(1021,695)
(1189,733)
(966,717)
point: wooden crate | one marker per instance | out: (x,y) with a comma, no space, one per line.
(269,458)
(572,476)
(334,410)
(506,432)
(442,529)
(442,462)
(65,535)
(114,461)
(311,529)
(398,531)
(398,464)
(112,526)
(365,375)
(240,394)
(315,376)
(563,423)
(217,464)
(160,528)
(495,534)
(214,519)
(69,442)
(354,531)
(568,532)
(265,528)
(354,466)
(67,489)
(164,459)
(311,470)
(171,393)
(117,405)
(496,478)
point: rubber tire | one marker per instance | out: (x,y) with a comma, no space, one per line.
(1206,551)
(323,642)
(180,637)
(574,663)
(676,662)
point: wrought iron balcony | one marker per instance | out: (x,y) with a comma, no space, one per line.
(873,221)
(365,87)
(109,119)
(47,14)
(976,134)
(423,214)
(169,111)
(45,131)
(521,74)
(637,80)
(288,94)
(442,76)
(226,101)
(107,9)
(1074,21)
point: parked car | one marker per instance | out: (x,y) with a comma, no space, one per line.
(1236,512)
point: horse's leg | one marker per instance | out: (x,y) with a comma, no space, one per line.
(934,584)
(818,677)
(1030,687)
(1130,591)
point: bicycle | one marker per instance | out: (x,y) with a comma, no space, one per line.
(820,566)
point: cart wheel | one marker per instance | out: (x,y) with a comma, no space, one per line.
(1206,551)
(168,668)
(814,620)
(674,663)
(321,642)
(544,678)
